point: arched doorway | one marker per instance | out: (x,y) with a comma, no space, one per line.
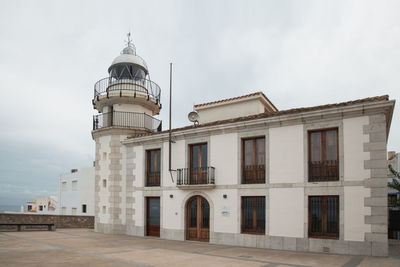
(198,219)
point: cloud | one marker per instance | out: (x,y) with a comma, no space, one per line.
(298,53)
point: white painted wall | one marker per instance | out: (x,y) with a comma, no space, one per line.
(286,154)
(69,198)
(87,190)
(232,110)
(355,212)
(224,158)
(286,216)
(104,162)
(132,108)
(354,155)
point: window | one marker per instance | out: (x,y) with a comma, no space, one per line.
(40,207)
(104,209)
(74,185)
(323,163)
(198,164)
(323,216)
(64,186)
(73,211)
(104,183)
(253,215)
(64,210)
(153,167)
(29,207)
(253,160)
(83,208)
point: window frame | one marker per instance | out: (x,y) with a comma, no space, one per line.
(254,159)
(148,166)
(199,176)
(324,234)
(254,230)
(323,154)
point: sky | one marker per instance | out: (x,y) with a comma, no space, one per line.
(299,53)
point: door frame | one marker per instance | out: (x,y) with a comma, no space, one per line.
(199,218)
(147,232)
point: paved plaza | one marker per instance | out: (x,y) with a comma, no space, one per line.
(82,247)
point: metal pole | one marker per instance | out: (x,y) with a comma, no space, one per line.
(170,110)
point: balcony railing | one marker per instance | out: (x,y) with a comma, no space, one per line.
(153,179)
(323,171)
(126,119)
(253,174)
(202,176)
(129,87)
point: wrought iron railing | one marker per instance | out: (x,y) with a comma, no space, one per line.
(129,87)
(322,171)
(253,174)
(126,119)
(199,176)
(153,179)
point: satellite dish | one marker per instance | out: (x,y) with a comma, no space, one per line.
(193,116)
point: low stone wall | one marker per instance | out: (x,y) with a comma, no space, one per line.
(60,221)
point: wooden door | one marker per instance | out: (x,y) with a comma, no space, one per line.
(198,219)
(153,216)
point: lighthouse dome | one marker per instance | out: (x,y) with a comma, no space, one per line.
(128,65)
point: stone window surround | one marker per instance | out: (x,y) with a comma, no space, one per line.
(144,156)
(194,141)
(246,134)
(324,188)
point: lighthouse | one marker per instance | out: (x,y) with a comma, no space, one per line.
(126,101)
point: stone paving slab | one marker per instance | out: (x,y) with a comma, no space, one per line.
(285,257)
(83,247)
(57,258)
(165,258)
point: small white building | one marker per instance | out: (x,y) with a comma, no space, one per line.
(245,174)
(76,192)
(43,205)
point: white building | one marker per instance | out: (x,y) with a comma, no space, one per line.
(306,179)
(43,205)
(76,192)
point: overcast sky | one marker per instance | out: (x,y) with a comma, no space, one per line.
(299,53)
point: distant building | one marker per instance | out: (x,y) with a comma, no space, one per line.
(393,195)
(31,206)
(245,174)
(76,192)
(43,205)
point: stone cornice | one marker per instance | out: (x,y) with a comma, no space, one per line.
(331,113)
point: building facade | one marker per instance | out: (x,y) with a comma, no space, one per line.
(245,174)
(76,192)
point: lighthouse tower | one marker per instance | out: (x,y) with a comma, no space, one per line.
(126,102)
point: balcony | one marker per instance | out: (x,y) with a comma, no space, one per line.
(127,87)
(196,178)
(153,179)
(127,120)
(323,171)
(253,174)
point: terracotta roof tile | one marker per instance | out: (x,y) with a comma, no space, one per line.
(234,98)
(271,114)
